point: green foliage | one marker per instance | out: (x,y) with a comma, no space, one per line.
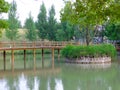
(67,51)
(3,23)
(60,35)
(66,32)
(71,51)
(66,12)
(4,7)
(41,23)
(31,29)
(12,31)
(79,32)
(90,13)
(51,30)
(112,31)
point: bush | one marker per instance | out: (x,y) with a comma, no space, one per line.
(71,51)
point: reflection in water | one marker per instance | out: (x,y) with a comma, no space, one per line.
(71,77)
(3,84)
(23,83)
(59,85)
(36,83)
(48,85)
(94,66)
(62,77)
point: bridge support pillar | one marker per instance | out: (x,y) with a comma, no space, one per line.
(42,58)
(4,59)
(24,59)
(12,58)
(52,57)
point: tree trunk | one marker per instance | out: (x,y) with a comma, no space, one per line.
(87,36)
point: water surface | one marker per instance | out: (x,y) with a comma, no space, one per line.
(60,77)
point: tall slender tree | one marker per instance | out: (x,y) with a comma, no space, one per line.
(31,29)
(51,24)
(12,31)
(66,32)
(41,23)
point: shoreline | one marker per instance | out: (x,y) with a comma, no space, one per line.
(88,60)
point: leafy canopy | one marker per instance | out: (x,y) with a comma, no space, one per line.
(4,7)
(91,12)
(112,31)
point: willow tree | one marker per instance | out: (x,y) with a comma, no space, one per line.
(90,13)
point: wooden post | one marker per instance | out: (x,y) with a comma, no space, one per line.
(42,58)
(52,58)
(58,54)
(24,59)
(4,58)
(12,58)
(34,59)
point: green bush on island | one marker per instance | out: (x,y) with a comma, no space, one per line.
(100,50)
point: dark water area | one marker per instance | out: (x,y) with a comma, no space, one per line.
(60,77)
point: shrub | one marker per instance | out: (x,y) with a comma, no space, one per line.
(71,51)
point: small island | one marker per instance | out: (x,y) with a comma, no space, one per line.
(100,53)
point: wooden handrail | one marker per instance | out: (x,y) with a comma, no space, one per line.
(35,44)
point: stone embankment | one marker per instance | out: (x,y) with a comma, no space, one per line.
(88,60)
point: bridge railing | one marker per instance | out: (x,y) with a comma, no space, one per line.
(36,44)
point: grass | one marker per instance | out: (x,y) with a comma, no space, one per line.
(100,50)
(21,33)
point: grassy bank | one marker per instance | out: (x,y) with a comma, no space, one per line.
(100,50)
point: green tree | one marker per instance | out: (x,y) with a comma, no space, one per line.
(90,13)
(4,7)
(66,32)
(12,31)
(41,23)
(31,29)
(79,33)
(112,31)
(19,24)
(52,24)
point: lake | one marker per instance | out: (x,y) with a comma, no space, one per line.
(60,76)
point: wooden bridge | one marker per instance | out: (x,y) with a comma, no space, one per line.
(13,46)
(34,45)
(42,45)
